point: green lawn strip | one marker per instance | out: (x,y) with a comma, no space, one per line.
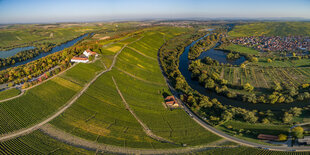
(9,93)
(241,49)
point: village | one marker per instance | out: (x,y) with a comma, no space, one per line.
(276,43)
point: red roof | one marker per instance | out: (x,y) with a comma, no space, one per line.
(170,98)
(91,52)
(78,58)
(267,137)
(170,102)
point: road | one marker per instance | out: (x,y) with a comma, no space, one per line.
(28,130)
(105,148)
(220,133)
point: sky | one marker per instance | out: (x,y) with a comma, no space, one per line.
(45,11)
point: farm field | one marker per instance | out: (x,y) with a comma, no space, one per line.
(19,35)
(9,93)
(100,115)
(240,49)
(38,143)
(271,29)
(263,78)
(41,101)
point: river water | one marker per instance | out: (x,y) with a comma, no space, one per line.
(12,52)
(53,50)
(221,57)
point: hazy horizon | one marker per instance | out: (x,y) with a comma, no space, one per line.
(35,11)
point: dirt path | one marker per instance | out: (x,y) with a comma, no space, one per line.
(28,130)
(141,53)
(146,129)
(138,78)
(101,148)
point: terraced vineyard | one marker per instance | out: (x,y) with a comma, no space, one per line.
(9,93)
(38,143)
(100,115)
(41,101)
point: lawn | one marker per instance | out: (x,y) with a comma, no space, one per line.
(9,93)
(241,49)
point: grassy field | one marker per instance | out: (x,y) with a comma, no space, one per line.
(100,114)
(55,33)
(9,93)
(240,49)
(38,143)
(287,63)
(271,29)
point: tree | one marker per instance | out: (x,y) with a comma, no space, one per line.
(298,131)
(209,83)
(282,137)
(269,60)
(277,86)
(295,111)
(248,87)
(265,121)
(91,58)
(204,102)
(287,117)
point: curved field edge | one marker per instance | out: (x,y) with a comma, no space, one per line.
(6,94)
(100,115)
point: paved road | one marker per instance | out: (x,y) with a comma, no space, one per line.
(25,131)
(220,133)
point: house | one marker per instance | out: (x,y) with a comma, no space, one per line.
(88,53)
(171,102)
(267,137)
(305,140)
(79,59)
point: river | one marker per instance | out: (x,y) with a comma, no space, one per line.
(53,50)
(221,57)
(12,52)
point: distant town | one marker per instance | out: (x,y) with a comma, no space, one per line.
(276,43)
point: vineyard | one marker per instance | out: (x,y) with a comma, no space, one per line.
(9,93)
(38,143)
(263,78)
(41,101)
(100,115)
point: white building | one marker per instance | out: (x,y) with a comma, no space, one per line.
(89,53)
(79,59)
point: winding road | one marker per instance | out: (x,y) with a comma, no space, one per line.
(221,133)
